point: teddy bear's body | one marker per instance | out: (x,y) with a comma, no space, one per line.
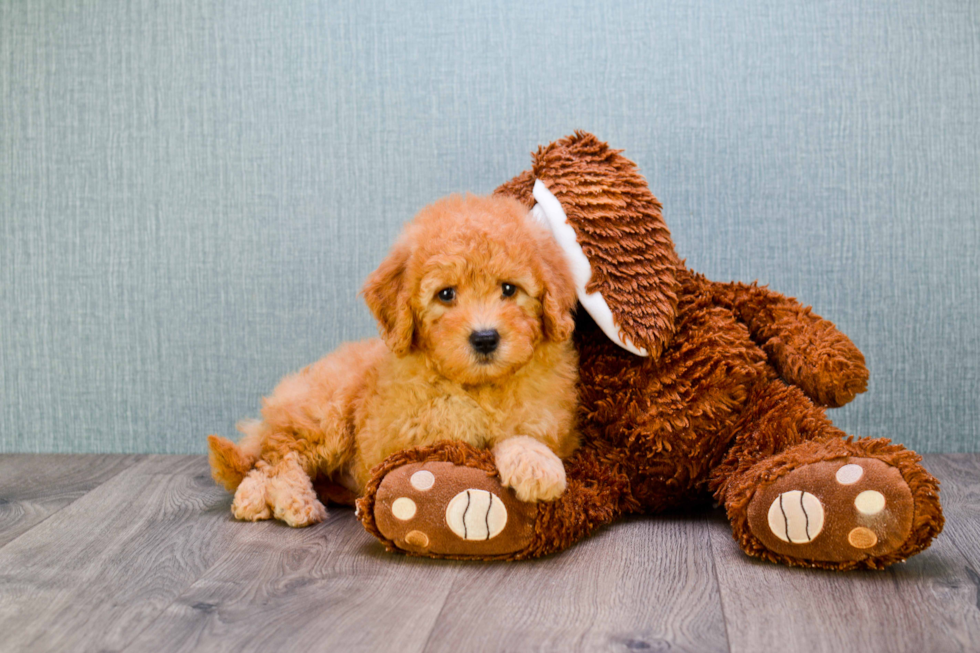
(668,422)
(727,400)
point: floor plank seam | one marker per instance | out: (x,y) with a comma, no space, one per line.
(70,503)
(442,609)
(950,511)
(966,558)
(721,594)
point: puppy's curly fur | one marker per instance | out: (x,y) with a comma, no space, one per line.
(474,307)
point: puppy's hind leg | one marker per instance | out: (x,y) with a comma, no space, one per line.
(283,491)
(290,493)
(305,434)
(251,496)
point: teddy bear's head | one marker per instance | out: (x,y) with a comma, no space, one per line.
(610,226)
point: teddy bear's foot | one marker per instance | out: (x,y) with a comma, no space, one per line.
(447,500)
(444,510)
(834,511)
(825,504)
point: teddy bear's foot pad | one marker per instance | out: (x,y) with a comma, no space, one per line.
(442,509)
(834,511)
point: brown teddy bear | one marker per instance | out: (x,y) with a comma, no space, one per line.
(688,387)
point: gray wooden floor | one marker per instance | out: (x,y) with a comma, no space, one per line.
(140,553)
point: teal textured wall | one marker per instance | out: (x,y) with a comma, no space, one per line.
(192,192)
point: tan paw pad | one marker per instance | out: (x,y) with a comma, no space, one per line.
(423,480)
(849,474)
(862,538)
(403,508)
(870,502)
(476,515)
(417,538)
(796,517)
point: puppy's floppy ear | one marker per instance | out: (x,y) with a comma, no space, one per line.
(387,294)
(559,298)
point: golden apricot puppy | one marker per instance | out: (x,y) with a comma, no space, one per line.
(474,307)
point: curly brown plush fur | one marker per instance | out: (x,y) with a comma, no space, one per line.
(729,402)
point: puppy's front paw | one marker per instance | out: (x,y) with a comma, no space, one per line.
(530,468)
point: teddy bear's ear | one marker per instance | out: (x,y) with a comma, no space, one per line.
(520,187)
(387,294)
(627,263)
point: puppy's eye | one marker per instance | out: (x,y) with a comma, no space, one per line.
(446,295)
(509,289)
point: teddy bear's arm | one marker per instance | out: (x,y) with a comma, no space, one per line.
(806,350)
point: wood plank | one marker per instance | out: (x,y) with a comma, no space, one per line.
(959,490)
(330,587)
(642,584)
(35,486)
(926,604)
(94,575)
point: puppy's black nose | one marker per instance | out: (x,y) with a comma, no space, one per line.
(485,342)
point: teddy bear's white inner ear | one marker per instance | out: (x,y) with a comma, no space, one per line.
(549,212)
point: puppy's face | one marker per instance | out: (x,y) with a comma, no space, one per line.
(475,286)
(478,317)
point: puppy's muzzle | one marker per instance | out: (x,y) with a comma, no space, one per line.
(485,342)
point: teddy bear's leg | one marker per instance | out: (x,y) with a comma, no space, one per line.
(798,491)
(447,501)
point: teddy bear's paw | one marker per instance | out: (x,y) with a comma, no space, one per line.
(444,510)
(834,511)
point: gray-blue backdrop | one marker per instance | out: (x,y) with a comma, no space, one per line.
(192,192)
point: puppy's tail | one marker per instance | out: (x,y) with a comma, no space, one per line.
(230,462)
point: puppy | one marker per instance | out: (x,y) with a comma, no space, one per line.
(474,306)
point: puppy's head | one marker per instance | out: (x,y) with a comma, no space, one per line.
(475,285)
